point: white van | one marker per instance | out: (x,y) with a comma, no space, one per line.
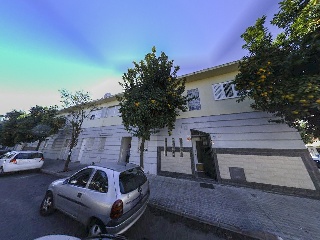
(21,160)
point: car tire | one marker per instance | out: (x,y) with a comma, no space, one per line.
(95,228)
(46,207)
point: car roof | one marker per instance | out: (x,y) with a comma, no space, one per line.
(25,151)
(116,166)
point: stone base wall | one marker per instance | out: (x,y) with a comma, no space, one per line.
(285,171)
(275,170)
(177,163)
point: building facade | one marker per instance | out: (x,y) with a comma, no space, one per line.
(217,138)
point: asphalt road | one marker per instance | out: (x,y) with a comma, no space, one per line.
(20,198)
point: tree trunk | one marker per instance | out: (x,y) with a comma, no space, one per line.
(141,151)
(66,164)
(38,145)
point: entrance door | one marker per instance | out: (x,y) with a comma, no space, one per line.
(203,155)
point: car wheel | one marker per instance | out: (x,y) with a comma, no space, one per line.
(1,170)
(96,228)
(46,207)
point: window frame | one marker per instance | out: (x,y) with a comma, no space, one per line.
(93,179)
(77,176)
(223,93)
(125,180)
(194,104)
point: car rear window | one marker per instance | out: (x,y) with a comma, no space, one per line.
(37,155)
(29,155)
(131,179)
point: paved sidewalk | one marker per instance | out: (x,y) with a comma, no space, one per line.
(251,213)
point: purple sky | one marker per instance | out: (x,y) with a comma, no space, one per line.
(47,45)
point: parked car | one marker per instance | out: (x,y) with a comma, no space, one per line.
(107,198)
(57,237)
(3,151)
(66,237)
(317,160)
(21,160)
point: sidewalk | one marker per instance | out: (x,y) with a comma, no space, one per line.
(250,213)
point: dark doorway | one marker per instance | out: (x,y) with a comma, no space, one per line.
(204,155)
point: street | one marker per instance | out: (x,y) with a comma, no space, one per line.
(20,198)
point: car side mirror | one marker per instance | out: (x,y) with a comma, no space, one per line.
(66,181)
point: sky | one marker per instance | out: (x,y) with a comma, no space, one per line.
(48,45)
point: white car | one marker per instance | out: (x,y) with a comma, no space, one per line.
(21,160)
(106,198)
(317,160)
(66,237)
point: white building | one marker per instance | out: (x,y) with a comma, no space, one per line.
(217,138)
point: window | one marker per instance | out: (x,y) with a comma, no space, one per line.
(89,143)
(195,103)
(23,156)
(224,90)
(36,155)
(131,180)
(81,178)
(104,112)
(102,143)
(173,148)
(99,182)
(113,111)
(96,114)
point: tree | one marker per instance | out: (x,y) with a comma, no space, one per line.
(282,74)
(37,125)
(40,123)
(152,97)
(9,130)
(78,106)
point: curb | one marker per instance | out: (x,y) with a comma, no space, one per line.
(221,230)
(55,173)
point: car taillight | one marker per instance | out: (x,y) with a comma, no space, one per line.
(117,209)
(42,159)
(13,161)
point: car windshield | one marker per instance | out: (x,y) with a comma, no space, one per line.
(7,155)
(131,179)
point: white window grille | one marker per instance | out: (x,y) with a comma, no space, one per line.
(224,90)
(195,103)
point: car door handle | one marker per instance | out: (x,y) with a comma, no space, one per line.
(79,195)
